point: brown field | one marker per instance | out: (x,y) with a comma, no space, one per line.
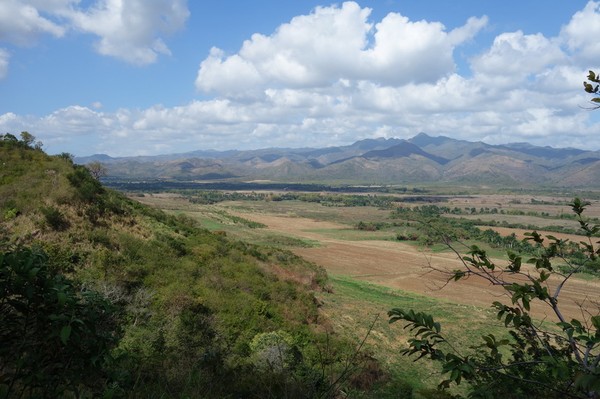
(554,205)
(402,266)
(385,262)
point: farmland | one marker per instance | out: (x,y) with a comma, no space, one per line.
(363,263)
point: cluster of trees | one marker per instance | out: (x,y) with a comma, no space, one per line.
(27,140)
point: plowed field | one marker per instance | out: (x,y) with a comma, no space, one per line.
(405,267)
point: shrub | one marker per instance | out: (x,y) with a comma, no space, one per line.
(54,218)
(11,213)
(56,338)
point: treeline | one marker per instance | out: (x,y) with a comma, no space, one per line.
(435,211)
(206,197)
(429,227)
(155,186)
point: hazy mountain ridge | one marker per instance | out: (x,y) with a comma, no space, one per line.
(422,158)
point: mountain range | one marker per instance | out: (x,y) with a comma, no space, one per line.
(421,159)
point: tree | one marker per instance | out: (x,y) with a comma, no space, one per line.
(29,140)
(97,169)
(533,361)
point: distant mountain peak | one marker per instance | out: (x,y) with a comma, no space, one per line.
(404,149)
(423,140)
(378,143)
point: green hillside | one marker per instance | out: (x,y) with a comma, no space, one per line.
(104,297)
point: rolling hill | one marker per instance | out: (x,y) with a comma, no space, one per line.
(387,161)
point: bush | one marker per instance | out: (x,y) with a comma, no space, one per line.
(54,218)
(56,338)
(11,213)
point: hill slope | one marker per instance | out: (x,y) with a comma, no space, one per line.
(189,313)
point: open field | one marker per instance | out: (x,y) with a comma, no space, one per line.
(324,235)
(371,272)
(402,266)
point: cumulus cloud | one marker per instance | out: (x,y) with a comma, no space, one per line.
(335,76)
(131,30)
(333,43)
(581,33)
(22,24)
(515,56)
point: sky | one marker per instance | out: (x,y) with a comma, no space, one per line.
(147,77)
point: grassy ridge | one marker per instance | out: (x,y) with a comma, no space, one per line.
(199,315)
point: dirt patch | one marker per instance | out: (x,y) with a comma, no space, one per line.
(402,266)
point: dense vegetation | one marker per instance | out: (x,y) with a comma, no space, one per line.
(102,296)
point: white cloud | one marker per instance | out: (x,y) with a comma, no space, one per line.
(333,77)
(4,57)
(581,33)
(334,43)
(131,30)
(514,57)
(22,24)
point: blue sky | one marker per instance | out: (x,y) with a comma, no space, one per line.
(134,77)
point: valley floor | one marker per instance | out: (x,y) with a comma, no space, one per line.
(403,266)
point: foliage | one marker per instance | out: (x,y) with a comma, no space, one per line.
(54,218)
(56,337)
(590,88)
(536,362)
(89,190)
(28,140)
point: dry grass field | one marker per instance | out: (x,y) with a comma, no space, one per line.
(376,258)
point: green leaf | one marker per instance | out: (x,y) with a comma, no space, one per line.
(62,298)
(65,333)
(591,75)
(596,322)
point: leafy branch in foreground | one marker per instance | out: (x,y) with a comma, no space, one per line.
(533,361)
(590,88)
(57,338)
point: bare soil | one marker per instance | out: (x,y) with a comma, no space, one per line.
(402,266)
